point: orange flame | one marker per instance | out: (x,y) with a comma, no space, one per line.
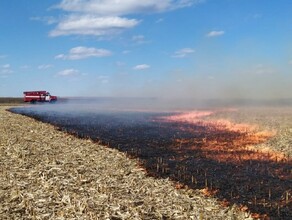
(234,149)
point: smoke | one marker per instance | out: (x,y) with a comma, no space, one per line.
(199,78)
(205,87)
(249,82)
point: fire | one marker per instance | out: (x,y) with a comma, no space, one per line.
(226,141)
(189,117)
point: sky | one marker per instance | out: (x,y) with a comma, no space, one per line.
(201,49)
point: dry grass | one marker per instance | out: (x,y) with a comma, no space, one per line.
(48,174)
(4,101)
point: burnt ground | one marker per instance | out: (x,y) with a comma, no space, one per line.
(195,155)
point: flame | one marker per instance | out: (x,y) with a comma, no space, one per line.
(189,117)
(230,148)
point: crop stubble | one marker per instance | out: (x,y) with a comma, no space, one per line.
(240,156)
(48,174)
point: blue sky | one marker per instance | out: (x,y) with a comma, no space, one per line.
(167,48)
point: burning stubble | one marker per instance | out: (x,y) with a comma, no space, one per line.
(223,149)
(216,155)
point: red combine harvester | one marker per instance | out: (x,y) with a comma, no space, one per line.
(38,96)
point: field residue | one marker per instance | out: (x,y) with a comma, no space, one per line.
(49,174)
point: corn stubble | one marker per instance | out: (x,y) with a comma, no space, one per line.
(242,158)
(48,174)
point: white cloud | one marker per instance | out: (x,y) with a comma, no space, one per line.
(256,16)
(103,79)
(290,62)
(261,69)
(68,72)
(25,67)
(215,33)
(44,66)
(141,67)
(78,53)
(159,20)
(107,17)
(2,56)
(139,39)
(183,52)
(48,20)
(126,52)
(5,70)
(120,63)
(6,66)
(114,7)
(92,25)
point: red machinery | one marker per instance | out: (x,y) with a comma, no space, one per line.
(38,96)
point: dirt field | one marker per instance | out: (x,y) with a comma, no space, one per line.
(49,174)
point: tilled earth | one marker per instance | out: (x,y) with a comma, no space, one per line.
(50,174)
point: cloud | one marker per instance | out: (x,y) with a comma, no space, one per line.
(78,53)
(125,7)
(2,56)
(140,39)
(215,33)
(120,63)
(44,66)
(257,16)
(103,79)
(68,72)
(141,67)
(92,25)
(6,66)
(25,67)
(261,69)
(108,17)
(183,52)
(254,16)
(290,62)
(5,70)
(159,20)
(48,20)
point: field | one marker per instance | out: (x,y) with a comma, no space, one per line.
(50,174)
(10,101)
(240,156)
